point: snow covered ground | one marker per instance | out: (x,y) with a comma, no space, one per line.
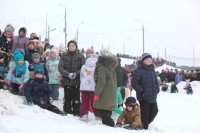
(178,113)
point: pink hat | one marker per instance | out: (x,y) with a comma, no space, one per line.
(55,50)
(90,50)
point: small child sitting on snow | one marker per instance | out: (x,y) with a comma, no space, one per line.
(130,115)
(164,86)
(173,88)
(189,89)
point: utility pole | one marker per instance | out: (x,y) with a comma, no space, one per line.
(48,34)
(46,25)
(165,54)
(65,29)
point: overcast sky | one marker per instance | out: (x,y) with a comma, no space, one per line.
(170,24)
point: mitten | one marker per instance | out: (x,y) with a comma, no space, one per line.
(51,100)
(70,75)
(7,81)
(21,86)
(129,127)
(118,124)
(30,103)
(96,98)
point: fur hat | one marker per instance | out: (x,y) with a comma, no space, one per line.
(35,56)
(55,50)
(72,41)
(9,28)
(90,50)
(131,101)
(145,56)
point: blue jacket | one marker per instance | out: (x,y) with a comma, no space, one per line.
(178,78)
(144,80)
(37,90)
(17,80)
(163,76)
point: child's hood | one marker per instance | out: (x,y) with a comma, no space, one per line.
(32,75)
(91,62)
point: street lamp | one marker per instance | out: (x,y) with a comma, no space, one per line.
(65,29)
(193,53)
(142,31)
(124,43)
(77,31)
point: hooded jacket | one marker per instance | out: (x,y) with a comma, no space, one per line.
(106,84)
(20,42)
(5,45)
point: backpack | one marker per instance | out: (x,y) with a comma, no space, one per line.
(164,87)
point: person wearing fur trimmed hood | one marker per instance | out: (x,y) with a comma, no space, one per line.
(130,115)
(145,84)
(87,86)
(69,67)
(18,74)
(20,41)
(53,73)
(37,91)
(105,95)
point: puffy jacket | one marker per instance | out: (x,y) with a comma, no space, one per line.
(71,62)
(87,75)
(23,79)
(122,77)
(53,72)
(5,45)
(178,78)
(145,80)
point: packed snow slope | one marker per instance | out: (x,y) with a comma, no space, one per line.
(178,113)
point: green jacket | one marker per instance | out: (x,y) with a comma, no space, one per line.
(106,84)
(119,101)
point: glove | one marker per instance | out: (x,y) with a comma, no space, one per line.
(7,81)
(30,103)
(21,86)
(142,93)
(129,127)
(70,75)
(51,100)
(96,98)
(74,76)
(118,124)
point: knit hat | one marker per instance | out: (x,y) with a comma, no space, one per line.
(38,69)
(31,42)
(21,51)
(55,50)
(131,102)
(9,28)
(90,50)
(35,56)
(145,56)
(1,55)
(17,57)
(72,41)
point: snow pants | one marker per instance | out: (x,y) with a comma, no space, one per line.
(54,93)
(106,117)
(148,112)
(72,100)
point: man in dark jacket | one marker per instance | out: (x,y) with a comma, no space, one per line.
(122,77)
(69,67)
(163,76)
(145,84)
(47,45)
(171,76)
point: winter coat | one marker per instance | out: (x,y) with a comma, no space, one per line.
(178,78)
(5,45)
(193,77)
(87,75)
(171,76)
(23,79)
(29,53)
(20,42)
(186,77)
(144,81)
(106,84)
(163,76)
(52,68)
(198,76)
(47,45)
(71,62)
(119,101)
(3,71)
(132,117)
(122,77)
(36,90)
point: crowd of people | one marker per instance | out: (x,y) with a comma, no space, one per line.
(95,82)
